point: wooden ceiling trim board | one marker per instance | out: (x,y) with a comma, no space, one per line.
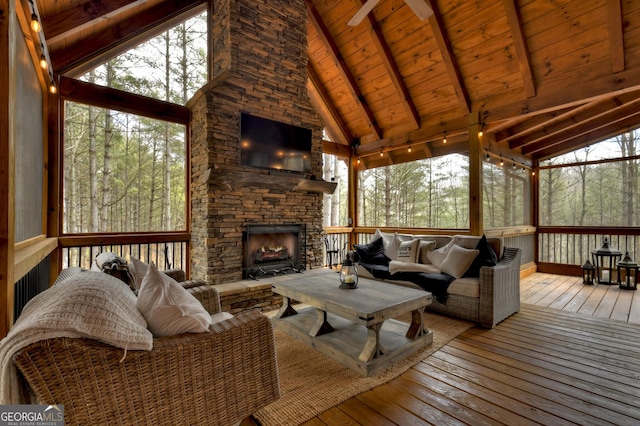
(343,131)
(85,54)
(439,32)
(622,114)
(522,50)
(393,71)
(577,117)
(332,48)
(616,35)
(588,138)
(76,19)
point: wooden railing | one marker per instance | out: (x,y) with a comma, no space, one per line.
(167,250)
(567,248)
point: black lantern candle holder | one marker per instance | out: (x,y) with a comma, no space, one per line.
(605,260)
(348,274)
(628,273)
(587,272)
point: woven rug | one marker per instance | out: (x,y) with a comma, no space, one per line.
(311,383)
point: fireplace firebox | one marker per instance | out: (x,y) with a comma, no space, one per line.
(273,249)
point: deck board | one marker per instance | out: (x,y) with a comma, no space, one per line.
(570,356)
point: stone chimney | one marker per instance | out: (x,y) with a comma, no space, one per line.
(259,67)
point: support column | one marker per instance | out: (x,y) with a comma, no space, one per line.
(476,225)
(352,208)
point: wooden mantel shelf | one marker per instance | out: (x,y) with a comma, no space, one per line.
(231,178)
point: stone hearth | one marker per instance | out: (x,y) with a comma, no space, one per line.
(259,67)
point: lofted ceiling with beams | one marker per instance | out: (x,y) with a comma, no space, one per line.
(543,77)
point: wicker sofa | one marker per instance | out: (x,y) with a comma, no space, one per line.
(487,299)
(219,377)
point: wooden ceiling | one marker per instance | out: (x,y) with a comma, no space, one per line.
(543,77)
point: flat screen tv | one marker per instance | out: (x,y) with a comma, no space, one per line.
(273,145)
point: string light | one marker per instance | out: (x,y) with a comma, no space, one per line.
(35,24)
(501,162)
(53,89)
(43,62)
(381,153)
(358,160)
(481,131)
(444,137)
(409,148)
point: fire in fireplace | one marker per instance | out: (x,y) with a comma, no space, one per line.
(273,249)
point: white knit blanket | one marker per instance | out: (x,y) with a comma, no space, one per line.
(90,305)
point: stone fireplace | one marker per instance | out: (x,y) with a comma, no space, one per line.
(259,67)
(273,249)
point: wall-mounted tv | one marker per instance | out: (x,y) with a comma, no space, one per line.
(273,145)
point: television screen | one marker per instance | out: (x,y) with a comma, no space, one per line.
(273,145)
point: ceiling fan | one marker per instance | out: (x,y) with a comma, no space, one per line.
(419,7)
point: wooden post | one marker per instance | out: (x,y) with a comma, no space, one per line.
(7,170)
(476,227)
(353,198)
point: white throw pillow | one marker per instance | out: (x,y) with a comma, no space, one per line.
(437,256)
(168,307)
(423,248)
(458,261)
(138,270)
(407,251)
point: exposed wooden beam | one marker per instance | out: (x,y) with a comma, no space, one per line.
(596,110)
(72,21)
(78,58)
(620,120)
(520,42)
(332,117)
(343,69)
(554,98)
(616,35)
(439,32)
(392,70)
(589,138)
(337,149)
(520,126)
(108,97)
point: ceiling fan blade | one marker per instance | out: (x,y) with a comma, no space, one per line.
(364,11)
(420,8)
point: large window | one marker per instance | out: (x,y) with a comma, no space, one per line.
(593,186)
(506,194)
(170,67)
(431,193)
(122,173)
(335,206)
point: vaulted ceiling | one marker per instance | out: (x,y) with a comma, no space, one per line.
(542,77)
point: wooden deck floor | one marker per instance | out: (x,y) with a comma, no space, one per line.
(571,356)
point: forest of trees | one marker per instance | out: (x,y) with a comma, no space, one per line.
(593,186)
(430,193)
(126,173)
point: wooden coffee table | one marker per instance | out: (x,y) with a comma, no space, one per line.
(354,327)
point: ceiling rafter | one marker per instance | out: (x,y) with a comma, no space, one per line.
(520,126)
(449,58)
(617,115)
(82,56)
(392,69)
(340,63)
(76,19)
(335,122)
(578,116)
(616,35)
(591,137)
(522,50)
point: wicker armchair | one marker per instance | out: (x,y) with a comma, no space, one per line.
(215,378)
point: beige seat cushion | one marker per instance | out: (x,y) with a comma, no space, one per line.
(469,286)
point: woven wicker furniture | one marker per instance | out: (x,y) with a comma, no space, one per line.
(220,377)
(353,326)
(496,292)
